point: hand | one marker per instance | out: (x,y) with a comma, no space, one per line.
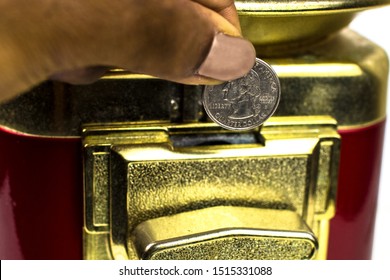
(192,42)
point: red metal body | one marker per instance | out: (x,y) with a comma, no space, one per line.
(352,229)
(41,188)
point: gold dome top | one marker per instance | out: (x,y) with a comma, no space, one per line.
(273,24)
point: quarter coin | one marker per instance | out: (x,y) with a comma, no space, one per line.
(244,103)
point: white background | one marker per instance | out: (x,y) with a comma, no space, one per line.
(375,25)
(103,270)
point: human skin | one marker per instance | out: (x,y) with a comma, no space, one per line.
(77,41)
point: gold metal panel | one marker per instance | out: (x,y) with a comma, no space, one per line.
(174,169)
(197,180)
(97,186)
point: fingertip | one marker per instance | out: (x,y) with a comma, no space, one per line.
(229,58)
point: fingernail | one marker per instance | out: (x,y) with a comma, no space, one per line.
(229,58)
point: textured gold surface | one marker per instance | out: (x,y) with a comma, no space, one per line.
(241,247)
(203,183)
(226,232)
(100,189)
(159,175)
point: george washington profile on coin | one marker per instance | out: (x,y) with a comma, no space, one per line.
(244,103)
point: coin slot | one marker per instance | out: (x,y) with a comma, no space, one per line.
(191,140)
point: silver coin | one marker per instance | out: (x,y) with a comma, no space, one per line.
(245,103)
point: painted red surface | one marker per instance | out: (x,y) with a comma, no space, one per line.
(41,212)
(352,228)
